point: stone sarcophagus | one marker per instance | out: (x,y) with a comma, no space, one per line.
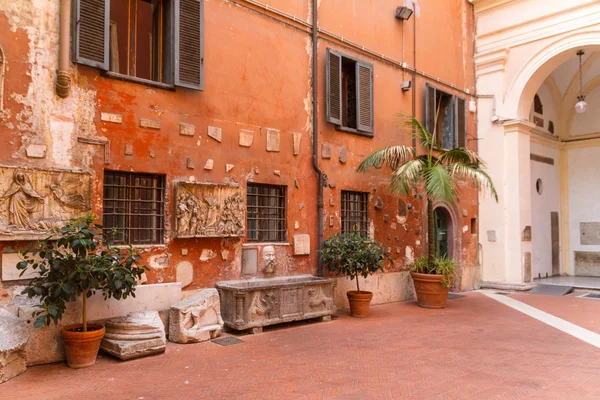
(254,303)
(209,210)
(34,201)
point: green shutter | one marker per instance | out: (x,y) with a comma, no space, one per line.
(430,108)
(333,84)
(91,21)
(364,95)
(189,43)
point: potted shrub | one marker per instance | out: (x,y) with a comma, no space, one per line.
(437,171)
(432,280)
(75,262)
(353,255)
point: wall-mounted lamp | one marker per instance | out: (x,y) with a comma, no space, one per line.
(403,13)
(406,85)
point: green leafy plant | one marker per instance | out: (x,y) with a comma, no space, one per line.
(432,168)
(353,255)
(75,261)
(439,266)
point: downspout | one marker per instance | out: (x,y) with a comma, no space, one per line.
(315,137)
(63,78)
(414,75)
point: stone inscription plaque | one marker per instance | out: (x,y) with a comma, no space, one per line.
(34,201)
(590,233)
(587,263)
(209,210)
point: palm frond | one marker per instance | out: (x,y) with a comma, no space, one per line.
(439,185)
(406,177)
(460,155)
(394,156)
(475,175)
(418,131)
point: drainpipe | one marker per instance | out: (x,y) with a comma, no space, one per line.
(315,136)
(414,74)
(63,78)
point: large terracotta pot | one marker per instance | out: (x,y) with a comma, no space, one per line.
(359,303)
(430,292)
(81,348)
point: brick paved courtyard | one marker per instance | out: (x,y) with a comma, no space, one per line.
(475,349)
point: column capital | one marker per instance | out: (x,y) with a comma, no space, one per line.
(518,126)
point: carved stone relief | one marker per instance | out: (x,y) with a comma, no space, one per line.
(264,306)
(209,210)
(33,202)
(269,263)
(317,300)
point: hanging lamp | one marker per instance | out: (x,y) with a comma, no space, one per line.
(581,105)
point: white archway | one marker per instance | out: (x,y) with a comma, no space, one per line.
(530,77)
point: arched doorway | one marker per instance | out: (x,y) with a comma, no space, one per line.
(443,233)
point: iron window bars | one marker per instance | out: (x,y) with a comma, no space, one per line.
(354,212)
(266,213)
(134,205)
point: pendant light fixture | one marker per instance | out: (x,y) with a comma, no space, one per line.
(581,105)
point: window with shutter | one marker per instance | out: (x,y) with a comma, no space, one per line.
(445,118)
(149,41)
(349,97)
(189,49)
(91,30)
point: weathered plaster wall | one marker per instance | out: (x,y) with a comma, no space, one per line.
(257,77)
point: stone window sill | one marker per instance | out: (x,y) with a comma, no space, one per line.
(141,81)
(353,131)
(260,244)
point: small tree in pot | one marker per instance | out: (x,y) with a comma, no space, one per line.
(76,262)
(438,171)
(353,255)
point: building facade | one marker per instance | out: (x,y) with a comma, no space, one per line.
(188,127)
(534,60)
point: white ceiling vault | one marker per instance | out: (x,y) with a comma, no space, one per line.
(559,96)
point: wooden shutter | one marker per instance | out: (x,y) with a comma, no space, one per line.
(364,95)
(91,32)
(461,122)
(430,108)
(189,44)
(333,83)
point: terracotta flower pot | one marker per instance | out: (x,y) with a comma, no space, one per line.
(430,292)
(359,303)
(81,348)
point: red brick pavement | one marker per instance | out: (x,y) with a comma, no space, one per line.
(475,349)
(580,311)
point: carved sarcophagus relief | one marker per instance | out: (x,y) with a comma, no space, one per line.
(33,202)
(209,210)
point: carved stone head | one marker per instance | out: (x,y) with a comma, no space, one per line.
(268,259)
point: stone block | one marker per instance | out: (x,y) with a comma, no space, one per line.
(325,151)
(128,150)
(197,318)
(297,138)
(36,151)
(587,263)
(13,341)
(215,133)
(209,164)
(10,271)
(187,129)
(343,155)
(249,261)
(273,140)
(110,117)
(149,123)
(589,233)
(246,138)
(229,167)
(184,273)
(301,244)
(189,163)
(136,335)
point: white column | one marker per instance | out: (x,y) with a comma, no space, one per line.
(517,198)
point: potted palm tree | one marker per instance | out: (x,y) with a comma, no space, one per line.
(75,262)
(353,255)
(437,171)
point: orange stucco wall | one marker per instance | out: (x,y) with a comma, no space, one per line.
(257,76)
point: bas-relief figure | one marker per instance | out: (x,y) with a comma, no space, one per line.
(209,210)
(32,202)
(264,305)
(269,263)
(317,300)
(197,318)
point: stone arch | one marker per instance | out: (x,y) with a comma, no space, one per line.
(530,77)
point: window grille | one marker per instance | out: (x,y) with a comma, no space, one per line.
(355,216)
(134,206)
(266,213)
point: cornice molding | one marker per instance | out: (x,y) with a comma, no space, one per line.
(490,62)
